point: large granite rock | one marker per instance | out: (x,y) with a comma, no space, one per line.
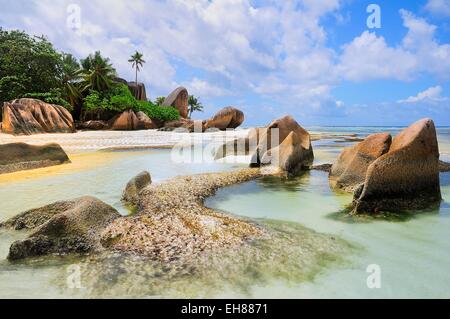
(130,121)
(20,156)
(185,125)
(134,187)
(349,171)
(179,100)
(291,155)
(145,122)
(274,135)
(74,226)
(93,125)
(30,116)
(227,118)
(407,176)
(138,90)
(127,121)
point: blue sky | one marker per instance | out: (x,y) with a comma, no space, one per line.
(314,59)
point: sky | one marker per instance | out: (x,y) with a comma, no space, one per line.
(325,62)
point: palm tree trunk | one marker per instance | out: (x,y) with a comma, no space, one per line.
(136,75)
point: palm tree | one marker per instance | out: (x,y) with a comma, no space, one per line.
(71,77)
(194,105)
(159,100)
(98,73)
(137,62)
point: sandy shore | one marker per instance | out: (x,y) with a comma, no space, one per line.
(98,140)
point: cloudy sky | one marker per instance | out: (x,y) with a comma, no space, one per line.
(317,60)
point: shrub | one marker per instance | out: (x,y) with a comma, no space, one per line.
(157,112)
(119,99)
(53,97)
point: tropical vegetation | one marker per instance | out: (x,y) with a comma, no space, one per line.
(31,67)
(194,105)
(137,62)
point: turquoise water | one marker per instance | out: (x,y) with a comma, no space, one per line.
(413,255)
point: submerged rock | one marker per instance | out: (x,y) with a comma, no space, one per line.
(64,227)
(135,186)
(20,156)
(349,171)
(179,100)
(226,118)
(172,224)
(407,176)
(30,116)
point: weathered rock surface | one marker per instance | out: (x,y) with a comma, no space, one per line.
(30,116)
(138,90)
(179,100)
(172,224)
(407,176)
(127,121)
(227,118)
(135,186)
(186,125)
(20,156)
(93,125)
(130,121)
(295,154)
(145,122)
(444,167)
(63,227)
(290,156)
(349,171)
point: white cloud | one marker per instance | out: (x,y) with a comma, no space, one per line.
(430,94)
(277,50)
(439,8)
(369,57)
(200,87)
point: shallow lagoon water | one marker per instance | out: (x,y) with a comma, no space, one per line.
(414,254)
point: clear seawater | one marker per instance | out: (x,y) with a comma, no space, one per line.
(413,254)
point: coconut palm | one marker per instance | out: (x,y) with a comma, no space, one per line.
(71,78)
(194,105)
(98,73)
(137,62)
(159,100)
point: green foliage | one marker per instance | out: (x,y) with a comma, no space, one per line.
(119,99)
(194,105)
(27,64)
(159,100)
(53,97)
(98,73)
(137,62)
(71,78)
(157,112)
